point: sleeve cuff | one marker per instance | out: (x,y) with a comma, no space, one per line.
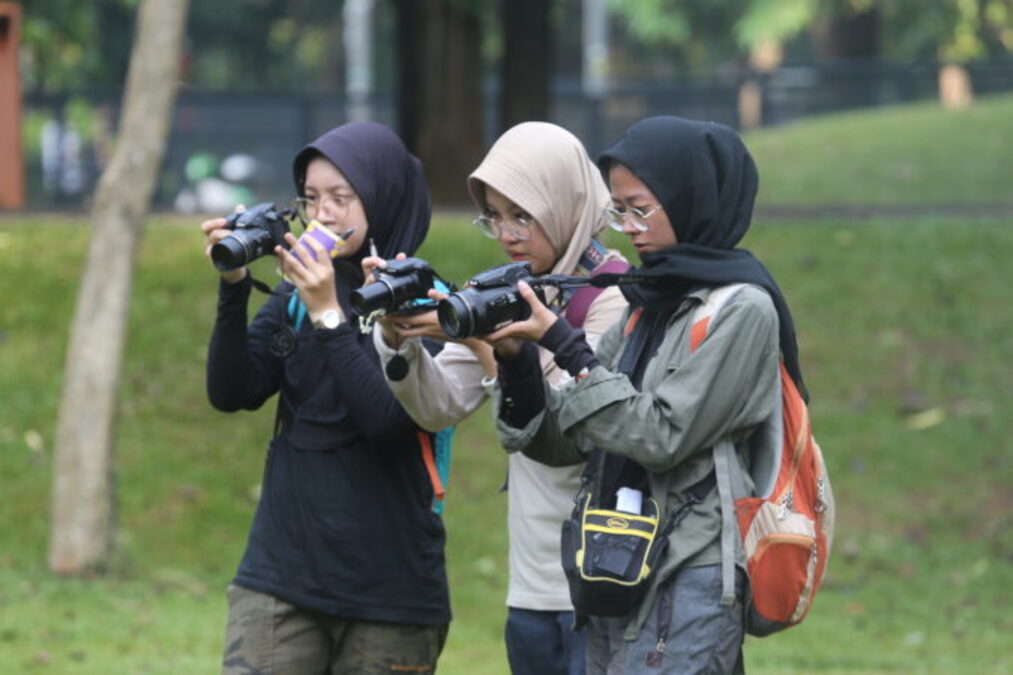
(408,349)
(570,349)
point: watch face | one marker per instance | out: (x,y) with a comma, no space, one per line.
(330,319)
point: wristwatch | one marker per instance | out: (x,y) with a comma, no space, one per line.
(329,320)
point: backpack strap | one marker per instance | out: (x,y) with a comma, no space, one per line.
(429,460)
(580,303)
(707,310)
(442,446)
(724,450)
(724,453)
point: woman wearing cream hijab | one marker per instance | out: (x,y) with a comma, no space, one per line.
(542,199)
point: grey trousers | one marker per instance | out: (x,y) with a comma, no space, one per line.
(268,636)
(686,632)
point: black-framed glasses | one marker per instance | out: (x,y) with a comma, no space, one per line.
(309,208)
(518,227)
(616,218)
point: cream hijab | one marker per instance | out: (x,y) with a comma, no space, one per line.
(545,170)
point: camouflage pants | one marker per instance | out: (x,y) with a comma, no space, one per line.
(267,636)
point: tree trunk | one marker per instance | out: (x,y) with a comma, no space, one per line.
(847,34)
(527,62)
(12,165)
(440,93)
(990,31)
(83,529)
(409,70)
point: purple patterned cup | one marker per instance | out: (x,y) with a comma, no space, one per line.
(331,242)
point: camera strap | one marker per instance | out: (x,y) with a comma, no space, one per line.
(262,287)
(593,256)
(283,343)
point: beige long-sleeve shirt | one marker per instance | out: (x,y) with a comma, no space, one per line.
(443,390)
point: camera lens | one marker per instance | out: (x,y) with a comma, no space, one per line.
(455,316)
(228,254)
(374,296)
(240,248)
(476,311)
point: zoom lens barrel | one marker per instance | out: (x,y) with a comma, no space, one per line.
(377,295)
(455,315)
(241,248)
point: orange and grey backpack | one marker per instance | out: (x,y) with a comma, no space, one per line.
(787,527)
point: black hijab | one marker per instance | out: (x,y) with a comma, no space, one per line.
(388,180)
(706,181)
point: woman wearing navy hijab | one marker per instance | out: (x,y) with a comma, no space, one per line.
(661,407)
(344,567)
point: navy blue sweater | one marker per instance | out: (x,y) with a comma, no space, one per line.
(344,525)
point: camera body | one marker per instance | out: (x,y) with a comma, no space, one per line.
(255,233)
(396,287)
(490,301)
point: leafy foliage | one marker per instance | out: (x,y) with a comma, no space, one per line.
(951,29)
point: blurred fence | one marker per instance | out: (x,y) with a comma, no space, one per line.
(237,147)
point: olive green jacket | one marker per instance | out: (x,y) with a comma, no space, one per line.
(726,390)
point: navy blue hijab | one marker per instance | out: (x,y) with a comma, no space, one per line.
(706,181)
(387,178)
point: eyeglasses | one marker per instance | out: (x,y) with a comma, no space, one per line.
(616,218)
(309,207)
(518,227)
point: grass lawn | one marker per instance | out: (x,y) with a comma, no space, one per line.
(909,154)
(905,334)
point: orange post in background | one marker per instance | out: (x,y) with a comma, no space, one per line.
(12,171)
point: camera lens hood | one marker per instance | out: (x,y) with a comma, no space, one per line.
(229,254)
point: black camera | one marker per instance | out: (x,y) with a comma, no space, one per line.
(490,301)
(256,231)
(397,288)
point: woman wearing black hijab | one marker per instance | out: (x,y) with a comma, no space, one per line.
(654,403)
(343,569)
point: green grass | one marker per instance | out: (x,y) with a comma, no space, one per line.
(910,155)
(894,319)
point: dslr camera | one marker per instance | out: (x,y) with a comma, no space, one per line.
(255,233)
(490,301)
(399,287)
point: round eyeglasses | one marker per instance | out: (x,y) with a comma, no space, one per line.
(309,208)
(617,218)
(518,227)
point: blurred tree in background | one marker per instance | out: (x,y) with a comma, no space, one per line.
(83,528)
(62,47)
(297,44)
(440,89)
(699,35)
(452,74)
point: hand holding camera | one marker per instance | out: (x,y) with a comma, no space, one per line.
(533,328)
(491,301)
(398,286)
(248,234)
(216,229)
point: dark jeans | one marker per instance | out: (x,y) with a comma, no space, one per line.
(687,631)
(544,643)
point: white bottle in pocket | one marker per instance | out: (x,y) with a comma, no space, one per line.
(629,500)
